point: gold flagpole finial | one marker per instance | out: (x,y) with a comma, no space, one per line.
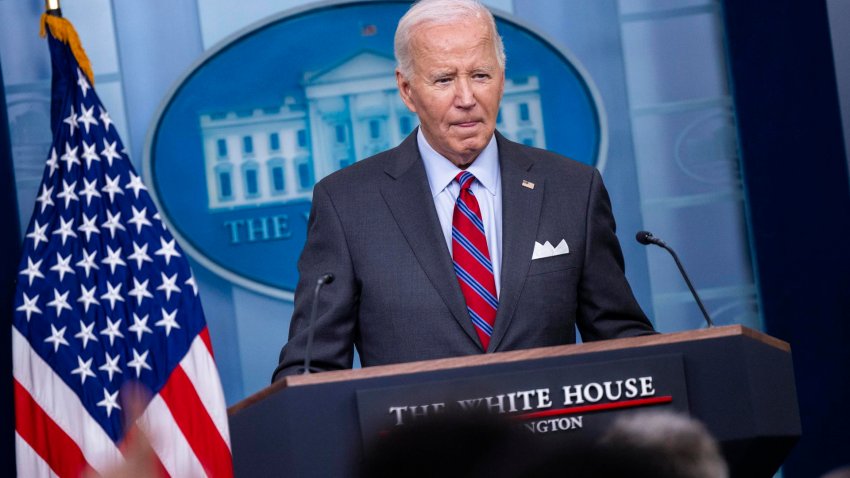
(51,7)
(62,30)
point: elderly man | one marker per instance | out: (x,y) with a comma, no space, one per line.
(435,245)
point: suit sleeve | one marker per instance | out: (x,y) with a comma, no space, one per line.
(607,307)
(326,251)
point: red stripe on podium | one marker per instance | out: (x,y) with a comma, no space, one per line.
(641,402)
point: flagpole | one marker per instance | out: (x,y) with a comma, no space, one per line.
(51,7)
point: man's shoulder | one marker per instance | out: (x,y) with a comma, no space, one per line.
(367,172)
(362,173)
(551,164)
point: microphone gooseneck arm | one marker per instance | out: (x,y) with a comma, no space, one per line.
(646,238)
(325,279)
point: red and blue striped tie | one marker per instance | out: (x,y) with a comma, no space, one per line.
(472,260)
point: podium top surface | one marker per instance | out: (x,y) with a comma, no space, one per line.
(513,356)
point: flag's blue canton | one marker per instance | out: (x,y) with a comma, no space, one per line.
(104,293)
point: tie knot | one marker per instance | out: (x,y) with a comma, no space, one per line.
(465,179)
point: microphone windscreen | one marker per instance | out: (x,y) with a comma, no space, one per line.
(644,237)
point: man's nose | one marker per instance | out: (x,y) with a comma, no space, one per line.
(464,96)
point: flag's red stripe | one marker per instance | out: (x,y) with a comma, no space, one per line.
(191,416)
(205,336)
(158,466)
(53,445)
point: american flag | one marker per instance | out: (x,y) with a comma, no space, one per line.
(105,296)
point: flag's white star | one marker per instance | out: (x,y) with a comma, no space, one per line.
(113,222)
(159,218)
(70,156)
(53,161)
(168,249)
(139,362)
(89,190)
(191,282)
(169,321)
(109,152)
(87,118)
(60,302)
(83,369)
(71,121)
(105,119)
(140,290)
(33,269)
(113,295)
(140,255)
(63,265)
(111,330)
(37,234)
(87,296)
(112,188)
(65,229)
(87,262)
(90,153)
(68,193)
(86,333)
(57,337)
(135,184)
(140,219)
(45,198)
(140,326)
(113,259)
(88,226)
(110,365)
(83,82)
(30,306)
(169,285)
(109,401)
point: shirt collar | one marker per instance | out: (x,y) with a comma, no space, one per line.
(441,172)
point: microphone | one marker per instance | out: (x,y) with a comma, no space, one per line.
(646,238)
(325,279)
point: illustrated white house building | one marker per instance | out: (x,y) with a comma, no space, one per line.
(349,112)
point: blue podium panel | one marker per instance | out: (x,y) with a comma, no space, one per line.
(738,382)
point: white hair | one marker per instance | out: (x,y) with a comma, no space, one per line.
(441,12)
(672,443)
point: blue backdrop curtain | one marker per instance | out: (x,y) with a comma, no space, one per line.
(798,197)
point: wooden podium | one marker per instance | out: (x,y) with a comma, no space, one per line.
(737,381)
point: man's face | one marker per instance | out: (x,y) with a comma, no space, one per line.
(455,89)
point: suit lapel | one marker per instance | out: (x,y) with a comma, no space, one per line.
(520,218)
(408,197)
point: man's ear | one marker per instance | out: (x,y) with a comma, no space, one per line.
(404,90)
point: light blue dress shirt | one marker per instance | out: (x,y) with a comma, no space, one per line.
(487,189)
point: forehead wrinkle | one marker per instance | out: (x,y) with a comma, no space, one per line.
(439,49)
(443,43)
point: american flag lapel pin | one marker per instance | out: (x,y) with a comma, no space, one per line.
(527,184)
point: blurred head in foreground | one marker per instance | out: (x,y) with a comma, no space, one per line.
(650,444)
(661,445)
(842,472)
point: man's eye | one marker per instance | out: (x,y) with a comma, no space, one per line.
(481,76)
(442,81)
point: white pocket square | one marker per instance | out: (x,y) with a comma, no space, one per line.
(548,250)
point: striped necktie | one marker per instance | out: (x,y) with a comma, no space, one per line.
(472,260)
